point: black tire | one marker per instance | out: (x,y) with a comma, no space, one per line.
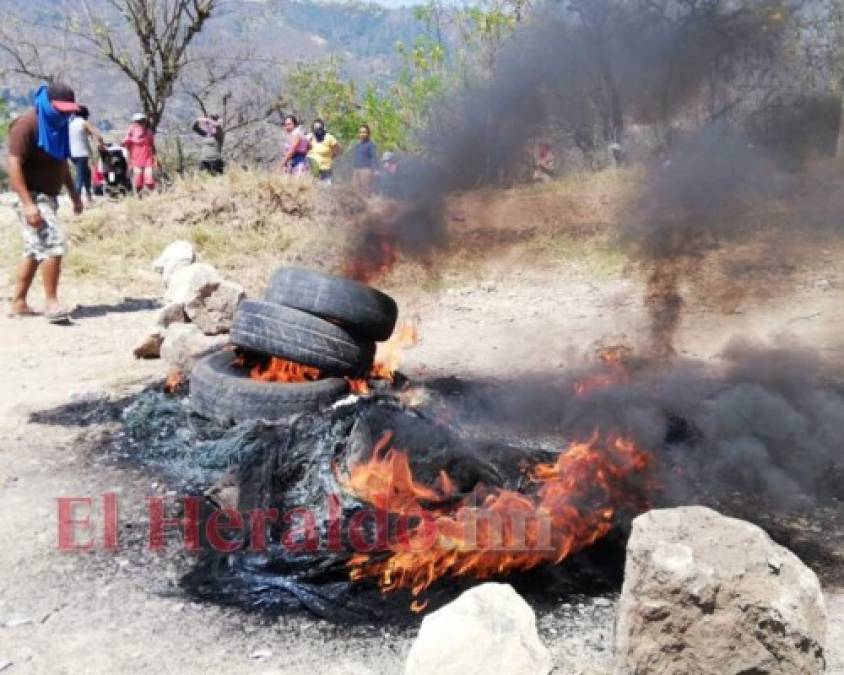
(364,311)
(272,329)
(221,391)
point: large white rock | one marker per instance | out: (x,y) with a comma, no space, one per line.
(704,594)
(184,343)
(488,629)
(175,256)
(190,283)
(213,313)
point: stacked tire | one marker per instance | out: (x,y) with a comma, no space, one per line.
(306,317)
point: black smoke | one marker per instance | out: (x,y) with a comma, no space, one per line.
(575,69)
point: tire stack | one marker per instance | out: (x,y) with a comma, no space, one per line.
(312,319)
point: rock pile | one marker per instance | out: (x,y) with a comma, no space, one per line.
(198,309)
(704,593)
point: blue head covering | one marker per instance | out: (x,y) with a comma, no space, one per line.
(53,136)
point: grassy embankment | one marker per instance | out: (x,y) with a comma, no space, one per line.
(248,222)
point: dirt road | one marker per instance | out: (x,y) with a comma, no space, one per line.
(112,613)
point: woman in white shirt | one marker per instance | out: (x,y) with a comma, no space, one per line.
(80,151)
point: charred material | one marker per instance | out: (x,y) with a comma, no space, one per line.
(300,559)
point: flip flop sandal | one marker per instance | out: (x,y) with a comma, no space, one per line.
(22,315)
(59,316)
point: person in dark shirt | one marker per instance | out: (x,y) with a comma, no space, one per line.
(39,147)
(365,162)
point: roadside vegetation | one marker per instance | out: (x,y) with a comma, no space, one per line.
(248,221)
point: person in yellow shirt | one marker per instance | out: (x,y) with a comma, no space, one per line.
(324,149)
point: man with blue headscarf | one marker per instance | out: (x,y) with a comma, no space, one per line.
(39,147)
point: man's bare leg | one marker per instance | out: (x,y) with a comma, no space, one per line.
(50,272)
(23,280)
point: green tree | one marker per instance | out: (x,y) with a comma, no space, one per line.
(321,90)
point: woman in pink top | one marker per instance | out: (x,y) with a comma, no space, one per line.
(140,143)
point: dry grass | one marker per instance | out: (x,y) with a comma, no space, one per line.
(244,223)
(248,222)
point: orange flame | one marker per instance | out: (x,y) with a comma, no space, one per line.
(493,531)
(282,370)
(388,357)
(175,381)
(615,361)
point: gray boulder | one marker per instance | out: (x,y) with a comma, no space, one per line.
(213,313)
(190,283)
(184,343)
(488,629)
(704,594)
(175,256)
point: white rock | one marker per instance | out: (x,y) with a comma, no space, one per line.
(704,593)
(192,282)
(261,654)
(184,343)
(175,256)
(488,629)
(213,313)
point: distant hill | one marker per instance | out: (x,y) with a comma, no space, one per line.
(363,34)
(362,29)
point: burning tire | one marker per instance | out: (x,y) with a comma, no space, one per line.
(362,310)
(291,334)
(220,389)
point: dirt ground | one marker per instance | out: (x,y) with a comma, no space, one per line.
(115,613)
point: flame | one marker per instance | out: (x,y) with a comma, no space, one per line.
(375,256)
(614,359)
(570,505)
(390,353)
(281,370)
(175,382)
(388,357)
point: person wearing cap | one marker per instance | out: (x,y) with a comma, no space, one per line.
(39,147)
(324,149)
(140,143)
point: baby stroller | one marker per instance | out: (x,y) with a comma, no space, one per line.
(112,176)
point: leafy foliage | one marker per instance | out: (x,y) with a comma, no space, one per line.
(394,111)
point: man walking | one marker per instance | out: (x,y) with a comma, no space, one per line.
(39,147)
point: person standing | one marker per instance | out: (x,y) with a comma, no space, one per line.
(80,149)
(365,162)
(389,179)
(39,147)
(211,151)
(324,149)
(140,144)
(294,162)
